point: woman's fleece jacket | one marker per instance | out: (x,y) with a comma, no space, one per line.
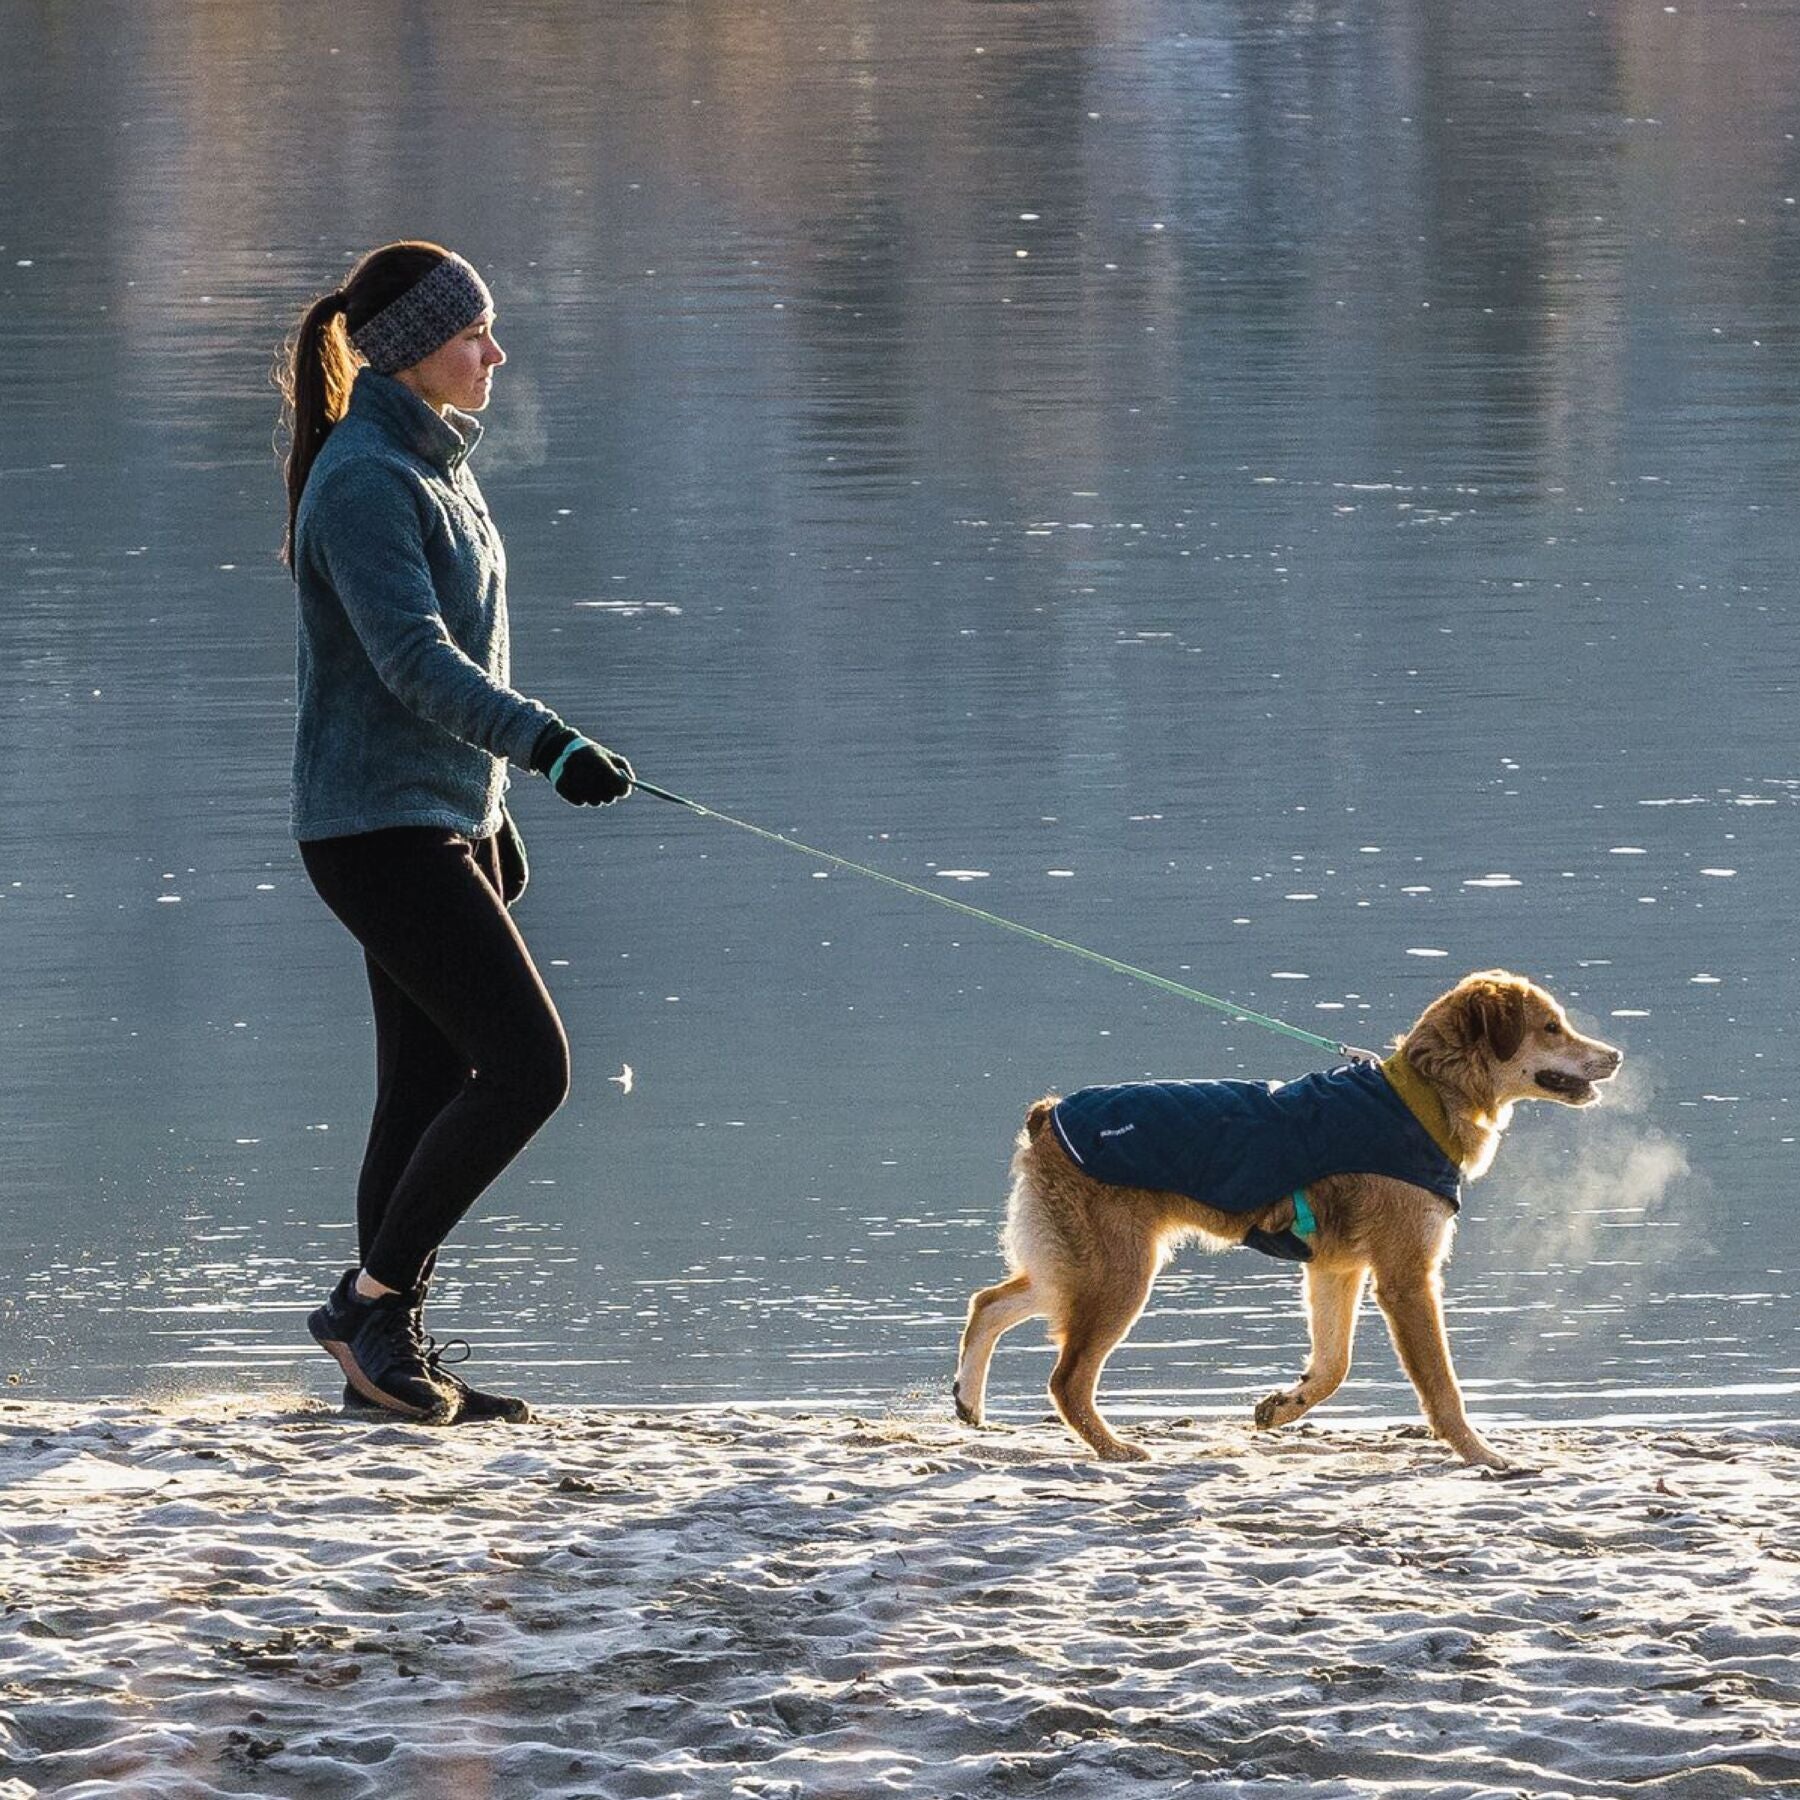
(406,715)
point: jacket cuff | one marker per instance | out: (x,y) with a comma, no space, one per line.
(552,741)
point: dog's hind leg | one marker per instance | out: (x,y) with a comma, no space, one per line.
(1414,1310)
(992,1312)
(1096,1321)
(1332,1299)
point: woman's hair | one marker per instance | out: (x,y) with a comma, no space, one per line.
(318,365)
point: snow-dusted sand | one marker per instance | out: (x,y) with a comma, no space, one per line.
(246,1598)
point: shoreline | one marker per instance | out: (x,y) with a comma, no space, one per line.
(255,1596)
(1359,1406)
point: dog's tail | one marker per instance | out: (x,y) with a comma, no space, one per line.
(1028,1239)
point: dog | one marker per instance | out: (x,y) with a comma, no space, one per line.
(1084,1252)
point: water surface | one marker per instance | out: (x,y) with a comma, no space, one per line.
(1297,499)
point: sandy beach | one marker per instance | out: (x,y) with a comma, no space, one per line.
(239,1597)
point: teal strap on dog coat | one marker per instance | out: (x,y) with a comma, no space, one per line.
(1304,1222)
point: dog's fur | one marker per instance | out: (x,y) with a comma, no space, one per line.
(1084,1255)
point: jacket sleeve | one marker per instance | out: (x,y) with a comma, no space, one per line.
(369,539)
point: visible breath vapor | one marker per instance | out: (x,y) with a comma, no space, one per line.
(1609,1184)
(525,443)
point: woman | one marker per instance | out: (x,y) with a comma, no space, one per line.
(406,724)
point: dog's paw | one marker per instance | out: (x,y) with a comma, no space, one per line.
(1277,1409)
(967,1414)
(1120,1452)
(1481,1455)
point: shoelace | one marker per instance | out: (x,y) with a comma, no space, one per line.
(438,1358)
(400,1329)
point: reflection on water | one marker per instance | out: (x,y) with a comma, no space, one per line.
(1299,501)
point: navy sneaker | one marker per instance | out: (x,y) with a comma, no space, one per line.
(377,1344)
(473,1404)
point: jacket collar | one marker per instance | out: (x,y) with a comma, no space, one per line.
(1423,1102)
(442,439)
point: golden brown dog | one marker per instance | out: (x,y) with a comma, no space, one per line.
(1084,1254)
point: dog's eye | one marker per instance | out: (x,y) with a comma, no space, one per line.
(1552,1029)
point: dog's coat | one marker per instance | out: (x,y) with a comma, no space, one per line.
(1239,1146)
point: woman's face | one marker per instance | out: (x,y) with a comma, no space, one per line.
(461,372)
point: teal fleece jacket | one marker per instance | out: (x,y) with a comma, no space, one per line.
(406,715)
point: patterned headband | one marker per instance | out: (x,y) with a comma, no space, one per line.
(425,318)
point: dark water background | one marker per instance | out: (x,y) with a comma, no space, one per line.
(1300,497)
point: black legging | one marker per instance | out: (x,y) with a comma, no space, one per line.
(470,1056)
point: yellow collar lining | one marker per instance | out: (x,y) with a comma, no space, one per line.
(1423,1102)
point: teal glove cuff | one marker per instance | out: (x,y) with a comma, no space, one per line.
(554,773)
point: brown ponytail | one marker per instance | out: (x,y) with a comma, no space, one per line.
(319,365)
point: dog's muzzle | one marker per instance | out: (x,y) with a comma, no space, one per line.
(1578,1090)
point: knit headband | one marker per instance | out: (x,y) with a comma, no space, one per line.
(425,318)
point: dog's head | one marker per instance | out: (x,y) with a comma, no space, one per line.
(1497,1038)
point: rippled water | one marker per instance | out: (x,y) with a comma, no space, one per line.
(1297,499)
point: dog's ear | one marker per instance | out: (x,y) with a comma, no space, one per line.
(1496,1012)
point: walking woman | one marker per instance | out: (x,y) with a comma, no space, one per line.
(407,721)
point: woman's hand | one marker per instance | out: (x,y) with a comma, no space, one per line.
(582,772)
(515,865)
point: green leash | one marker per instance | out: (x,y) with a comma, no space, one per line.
(1161,982)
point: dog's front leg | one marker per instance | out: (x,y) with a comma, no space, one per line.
(1414,1311)
(1332,1299)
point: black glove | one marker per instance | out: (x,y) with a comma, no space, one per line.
(515,865)
(583,772)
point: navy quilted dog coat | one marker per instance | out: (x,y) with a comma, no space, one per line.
(1242,1145)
